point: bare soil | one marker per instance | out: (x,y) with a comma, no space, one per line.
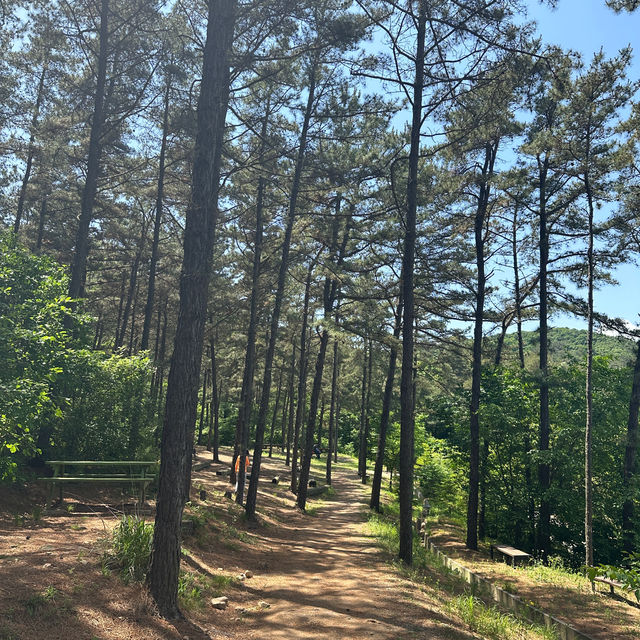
(315,575)
(567,597)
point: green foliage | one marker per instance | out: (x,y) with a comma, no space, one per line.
(107,409)
(629,577)
(509,427)
(440,472)
(130,551)
(189,591)
(54,392)
(33,345)
(569,346)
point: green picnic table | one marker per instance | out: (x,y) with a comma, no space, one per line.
(133,472)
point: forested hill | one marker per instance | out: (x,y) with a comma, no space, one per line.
(569,346)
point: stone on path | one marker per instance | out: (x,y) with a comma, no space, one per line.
(220,603)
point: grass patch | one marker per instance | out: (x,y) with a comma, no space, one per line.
(488,621)
(130,551)
(47,603)
(189,591)
(557,575)
(217,585)
(485,619)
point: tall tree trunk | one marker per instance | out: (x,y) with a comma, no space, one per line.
(332,409)
(405,551)
(367,416)
(588,453)
(157,223)
(483,489)
(31,148)
(386,410)
(291,404)
(81,251)
(133,279)
(302,383)
(282,275)
(337,428)
(184,374)
(246,393)
(516,285)
(41,220)
(275,413)
(311,421)
(363,402)
(630,467)
(123,288)
(202,406)
(330,294)
(491,150)
(132,334)
(215,398)
(544,431)
(160,367)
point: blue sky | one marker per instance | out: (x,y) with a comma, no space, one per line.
(587,26)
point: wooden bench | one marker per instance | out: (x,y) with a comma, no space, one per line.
(612,583)
(123,472)
(510,552)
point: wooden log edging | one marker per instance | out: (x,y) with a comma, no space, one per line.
(510,601)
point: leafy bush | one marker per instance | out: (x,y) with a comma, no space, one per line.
(107,411)
(33,346)
(629,577)
(440,473)
(130,549)
(57,396)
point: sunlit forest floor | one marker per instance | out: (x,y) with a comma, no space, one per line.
(565,594)
(290,575)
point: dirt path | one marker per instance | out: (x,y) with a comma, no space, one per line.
(327,579)
(315,575)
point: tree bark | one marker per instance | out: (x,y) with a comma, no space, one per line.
(184,374)
(376,484)
(311,421)
(544,523)
(330,294)
(202,406)
(157,223)
(81,251)
(588,453)
(491,149)
(332,410)
(275,413)
(282,276)
(363,402)
(246,393)
(630,467)
(215,398)
(302,383)
(291,404)
(405,551)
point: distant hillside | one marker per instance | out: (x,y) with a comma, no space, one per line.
(569,346)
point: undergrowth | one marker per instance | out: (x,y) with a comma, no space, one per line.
(130,551)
